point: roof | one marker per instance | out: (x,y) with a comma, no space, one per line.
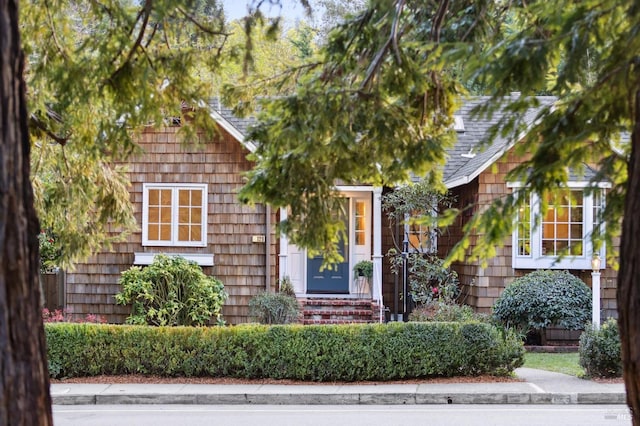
(466,160)
(236,126)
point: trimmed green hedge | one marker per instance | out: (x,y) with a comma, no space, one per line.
(314,353)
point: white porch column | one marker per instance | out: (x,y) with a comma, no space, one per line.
(284,249)
(377,248)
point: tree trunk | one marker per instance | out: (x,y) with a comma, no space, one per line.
(629,275)
(24,379)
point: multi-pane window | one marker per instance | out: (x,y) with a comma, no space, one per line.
(562,237)
(360,221)
(174,215)
(524,230)
(422,238)
(563,224)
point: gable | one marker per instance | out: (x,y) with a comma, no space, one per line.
(468,158)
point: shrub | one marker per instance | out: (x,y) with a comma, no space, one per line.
(543,298)
(285,286)
(428,279)
(440,311)
(171,291)
(274,308)
(320,353)
(61,315)
(600,350)
(49,252)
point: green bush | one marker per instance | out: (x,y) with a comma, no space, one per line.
(600,350)
(429,279)
(543,298)
(171,291)
(285,286)
(274,308)
(317,353)
(440,311)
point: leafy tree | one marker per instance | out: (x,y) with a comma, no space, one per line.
(369,110)
(96,73)
(378,104)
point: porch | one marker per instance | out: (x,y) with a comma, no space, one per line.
(335,295)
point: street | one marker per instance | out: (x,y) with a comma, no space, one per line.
(335,415)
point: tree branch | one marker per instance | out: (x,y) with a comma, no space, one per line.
(40,125)
(392,40)
(197,23)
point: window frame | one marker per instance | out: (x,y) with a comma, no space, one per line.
(422,229)
(174,188)
(535,259)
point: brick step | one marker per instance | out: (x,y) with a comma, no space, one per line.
(329,311)
(334,302)
(308,321)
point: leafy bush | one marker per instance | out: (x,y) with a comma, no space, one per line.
(274,308)
(428,279)
(61,315)
(49,251)
(171,291)
(440,311)
(285,286)
(543,298)
(319,353)
(600,350)
(364,268)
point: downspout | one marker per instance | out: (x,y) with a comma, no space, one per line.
(267,261)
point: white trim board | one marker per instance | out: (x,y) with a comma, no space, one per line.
(202,259)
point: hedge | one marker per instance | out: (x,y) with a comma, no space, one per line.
(312,353)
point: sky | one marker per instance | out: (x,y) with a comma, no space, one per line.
(291,9)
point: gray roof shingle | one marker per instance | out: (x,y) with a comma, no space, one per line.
(466,159)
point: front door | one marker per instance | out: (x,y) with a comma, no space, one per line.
(333,280)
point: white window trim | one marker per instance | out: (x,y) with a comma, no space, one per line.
(174,214)
(536,260)
(202,259)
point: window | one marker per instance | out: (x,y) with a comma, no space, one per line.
(174,215)
(562,238)
(360,220)
(422,238)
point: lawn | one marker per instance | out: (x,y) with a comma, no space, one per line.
(566,363)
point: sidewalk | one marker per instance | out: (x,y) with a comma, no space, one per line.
(538,387)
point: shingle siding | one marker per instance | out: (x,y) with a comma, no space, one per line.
(238,262)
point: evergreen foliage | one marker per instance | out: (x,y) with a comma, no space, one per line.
(600,350)
(274,308)
(171,291)
(544,298)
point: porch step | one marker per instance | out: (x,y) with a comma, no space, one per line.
(338,311)
(333,321)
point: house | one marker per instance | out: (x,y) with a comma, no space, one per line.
(238,244)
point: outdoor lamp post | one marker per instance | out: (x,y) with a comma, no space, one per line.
(595,290)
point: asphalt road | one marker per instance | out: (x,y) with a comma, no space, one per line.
(310,415)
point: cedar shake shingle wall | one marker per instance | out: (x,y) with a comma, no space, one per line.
(482,286)
(238,262)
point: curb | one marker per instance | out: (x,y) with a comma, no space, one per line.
(345,399)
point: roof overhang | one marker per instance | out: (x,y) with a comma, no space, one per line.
(232,130)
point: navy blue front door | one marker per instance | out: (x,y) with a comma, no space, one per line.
(330,280)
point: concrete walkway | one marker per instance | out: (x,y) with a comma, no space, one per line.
(537,387)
